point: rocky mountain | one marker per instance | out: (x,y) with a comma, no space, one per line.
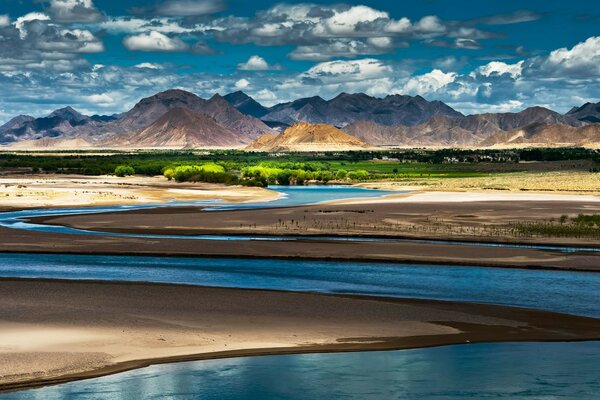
(230,117)
(394,120)
(304,136)
(467,130)
(246,104)
(541,134)
(347,108)
(589,112)
(149,109)
(181,127)
(65,122)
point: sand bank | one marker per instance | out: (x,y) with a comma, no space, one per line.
(15,240)
(75,190)
(446,216)
(55,331)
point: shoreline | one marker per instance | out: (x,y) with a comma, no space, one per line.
(461,322)
(30,242)
(441,263)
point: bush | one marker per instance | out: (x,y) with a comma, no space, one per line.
(124,170)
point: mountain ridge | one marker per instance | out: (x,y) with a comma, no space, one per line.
(424,123)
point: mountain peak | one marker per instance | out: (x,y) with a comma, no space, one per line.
(181,127)
(68,113)
(246,104)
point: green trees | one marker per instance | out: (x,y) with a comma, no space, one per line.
(358,175)
(124,170)
(209,172)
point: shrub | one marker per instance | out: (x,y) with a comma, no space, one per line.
(124,170)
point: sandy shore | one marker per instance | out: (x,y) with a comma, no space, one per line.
(75,190)
(55,331)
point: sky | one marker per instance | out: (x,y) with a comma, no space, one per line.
(102,56)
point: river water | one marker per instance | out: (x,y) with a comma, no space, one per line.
(500,371)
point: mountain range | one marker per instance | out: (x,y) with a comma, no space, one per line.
(179,119)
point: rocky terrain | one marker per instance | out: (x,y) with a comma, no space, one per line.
(236,119)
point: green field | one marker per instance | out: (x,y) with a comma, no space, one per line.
(255,168)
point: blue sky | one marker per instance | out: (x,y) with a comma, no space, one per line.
(485,56)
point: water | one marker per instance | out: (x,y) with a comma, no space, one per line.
(515,371)
(562,291)
(290,196)
(505,371)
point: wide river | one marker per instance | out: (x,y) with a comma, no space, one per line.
(504,371)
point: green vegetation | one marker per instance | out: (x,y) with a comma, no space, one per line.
(579,227)
(124,170)
(261,168)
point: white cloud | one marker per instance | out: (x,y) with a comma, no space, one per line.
(341,48)
(398,26)
(242,84)
(430,24)
(148,65)
(345,22)
(582,59)
(74,11)
(139,25)
(256,63)
(4,20)
(381,42)
(21,22)
(103,98)
(366,68)
(497,68)
(154,41)
(429,82)
(265,96)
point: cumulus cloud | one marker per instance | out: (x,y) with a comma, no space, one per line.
(342,48)
(429,82)
(74,11)
(322,32)
(430,24)
(34,42)
(256,63)
(154,41)
(581,60)
(148,65)
(131,25)
(23,21)
(242,84)
(500,68)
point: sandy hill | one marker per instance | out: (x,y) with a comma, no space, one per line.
(309,137)
(262,142)
(181,127)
